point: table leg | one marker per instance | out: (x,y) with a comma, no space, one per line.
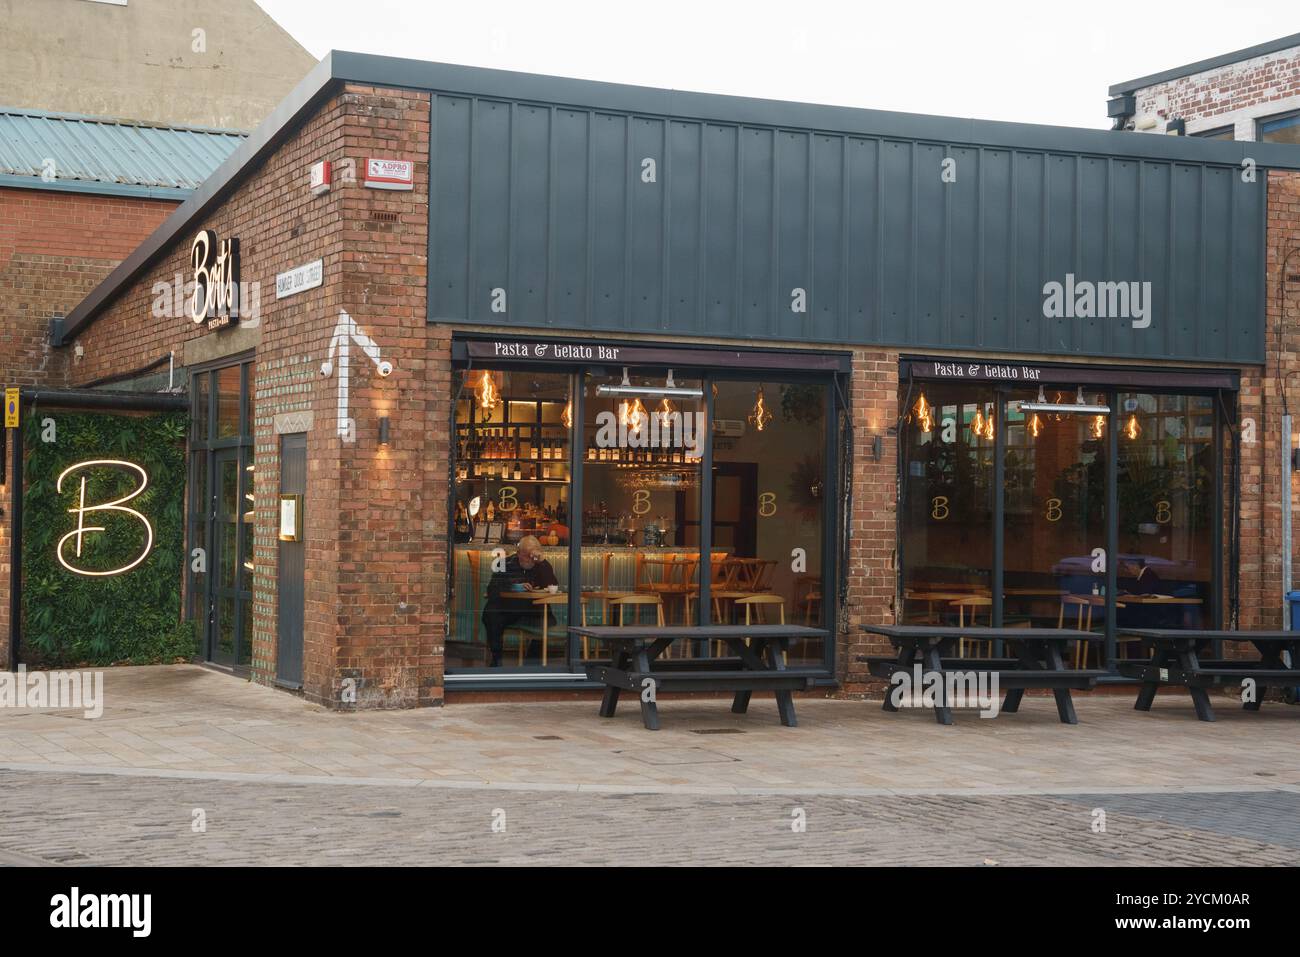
(942,713)
(1064,703)
(906,655)
(785,698)
(1200,698)
(1146,695)
(649,709)
(609,702)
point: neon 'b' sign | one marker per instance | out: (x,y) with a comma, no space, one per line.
(82,509)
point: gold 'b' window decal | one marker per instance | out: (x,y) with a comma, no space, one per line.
(82,529)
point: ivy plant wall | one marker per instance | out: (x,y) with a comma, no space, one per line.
(103,538)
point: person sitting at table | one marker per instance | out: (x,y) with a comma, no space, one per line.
(526,571)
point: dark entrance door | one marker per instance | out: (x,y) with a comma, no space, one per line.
(224,638)
(289,570)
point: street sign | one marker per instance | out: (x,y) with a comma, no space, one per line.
(11,408)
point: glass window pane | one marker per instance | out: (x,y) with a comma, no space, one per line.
(946,508)
(199,406)
(511,493)
(1055,516)
(641,491)
(227,384)
(1166,511)
(1283,129)
(769,493)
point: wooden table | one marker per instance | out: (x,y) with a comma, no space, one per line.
(758,664)
(1038,662)
(1176,660)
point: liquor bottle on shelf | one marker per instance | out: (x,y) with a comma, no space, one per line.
(517,472)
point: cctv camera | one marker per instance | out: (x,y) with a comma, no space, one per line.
(326,368)
(385,368)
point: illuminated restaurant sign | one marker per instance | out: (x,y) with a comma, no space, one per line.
(216,280)
(81,509)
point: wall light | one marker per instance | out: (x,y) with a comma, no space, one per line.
(383,430)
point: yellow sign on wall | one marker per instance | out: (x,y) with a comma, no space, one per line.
(11,408)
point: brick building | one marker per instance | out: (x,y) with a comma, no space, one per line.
(77,195)
(1251,94)
(736,360)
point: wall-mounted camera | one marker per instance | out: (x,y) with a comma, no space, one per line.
(385,368)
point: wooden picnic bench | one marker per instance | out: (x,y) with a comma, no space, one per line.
(1038,662)
(1176,660)
(757,663)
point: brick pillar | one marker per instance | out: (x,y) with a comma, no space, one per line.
(870,563)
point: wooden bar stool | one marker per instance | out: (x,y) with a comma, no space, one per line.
(754,605)
(635,601)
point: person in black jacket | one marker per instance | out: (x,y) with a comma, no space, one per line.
(527,571)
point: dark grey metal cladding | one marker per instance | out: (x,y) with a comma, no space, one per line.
(549,204)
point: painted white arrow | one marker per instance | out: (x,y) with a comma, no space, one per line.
(345,332)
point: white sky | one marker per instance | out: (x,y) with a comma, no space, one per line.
(1035,62)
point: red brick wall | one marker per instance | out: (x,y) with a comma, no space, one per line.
(1233,95)
(1261,400)
(55,247)
(871,561)
(375,534)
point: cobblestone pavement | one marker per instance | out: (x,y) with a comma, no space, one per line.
(280,781)
(121,820)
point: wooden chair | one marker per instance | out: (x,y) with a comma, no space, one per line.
(972,602)
(544,603)
(1082,606)
(635,601)
(808,593)
(757,603)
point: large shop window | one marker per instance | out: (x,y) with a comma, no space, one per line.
(1055,507)
(584,495)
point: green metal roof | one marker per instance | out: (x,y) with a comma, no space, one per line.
(61,151)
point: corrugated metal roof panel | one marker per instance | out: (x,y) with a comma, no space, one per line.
(91,150)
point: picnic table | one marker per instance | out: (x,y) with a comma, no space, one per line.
(1037,662)
(1176,660)
(757,663)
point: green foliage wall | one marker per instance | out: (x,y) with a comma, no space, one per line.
(72,619)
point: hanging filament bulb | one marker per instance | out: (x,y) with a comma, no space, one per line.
(624,411)
(760,417)
(977,424)
(1057,400)
(988,426)
(567,415)
(666,413)
(1035,426)
(1132,429)
(637,416)
(923,416)
(1098,426)
(487,393)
